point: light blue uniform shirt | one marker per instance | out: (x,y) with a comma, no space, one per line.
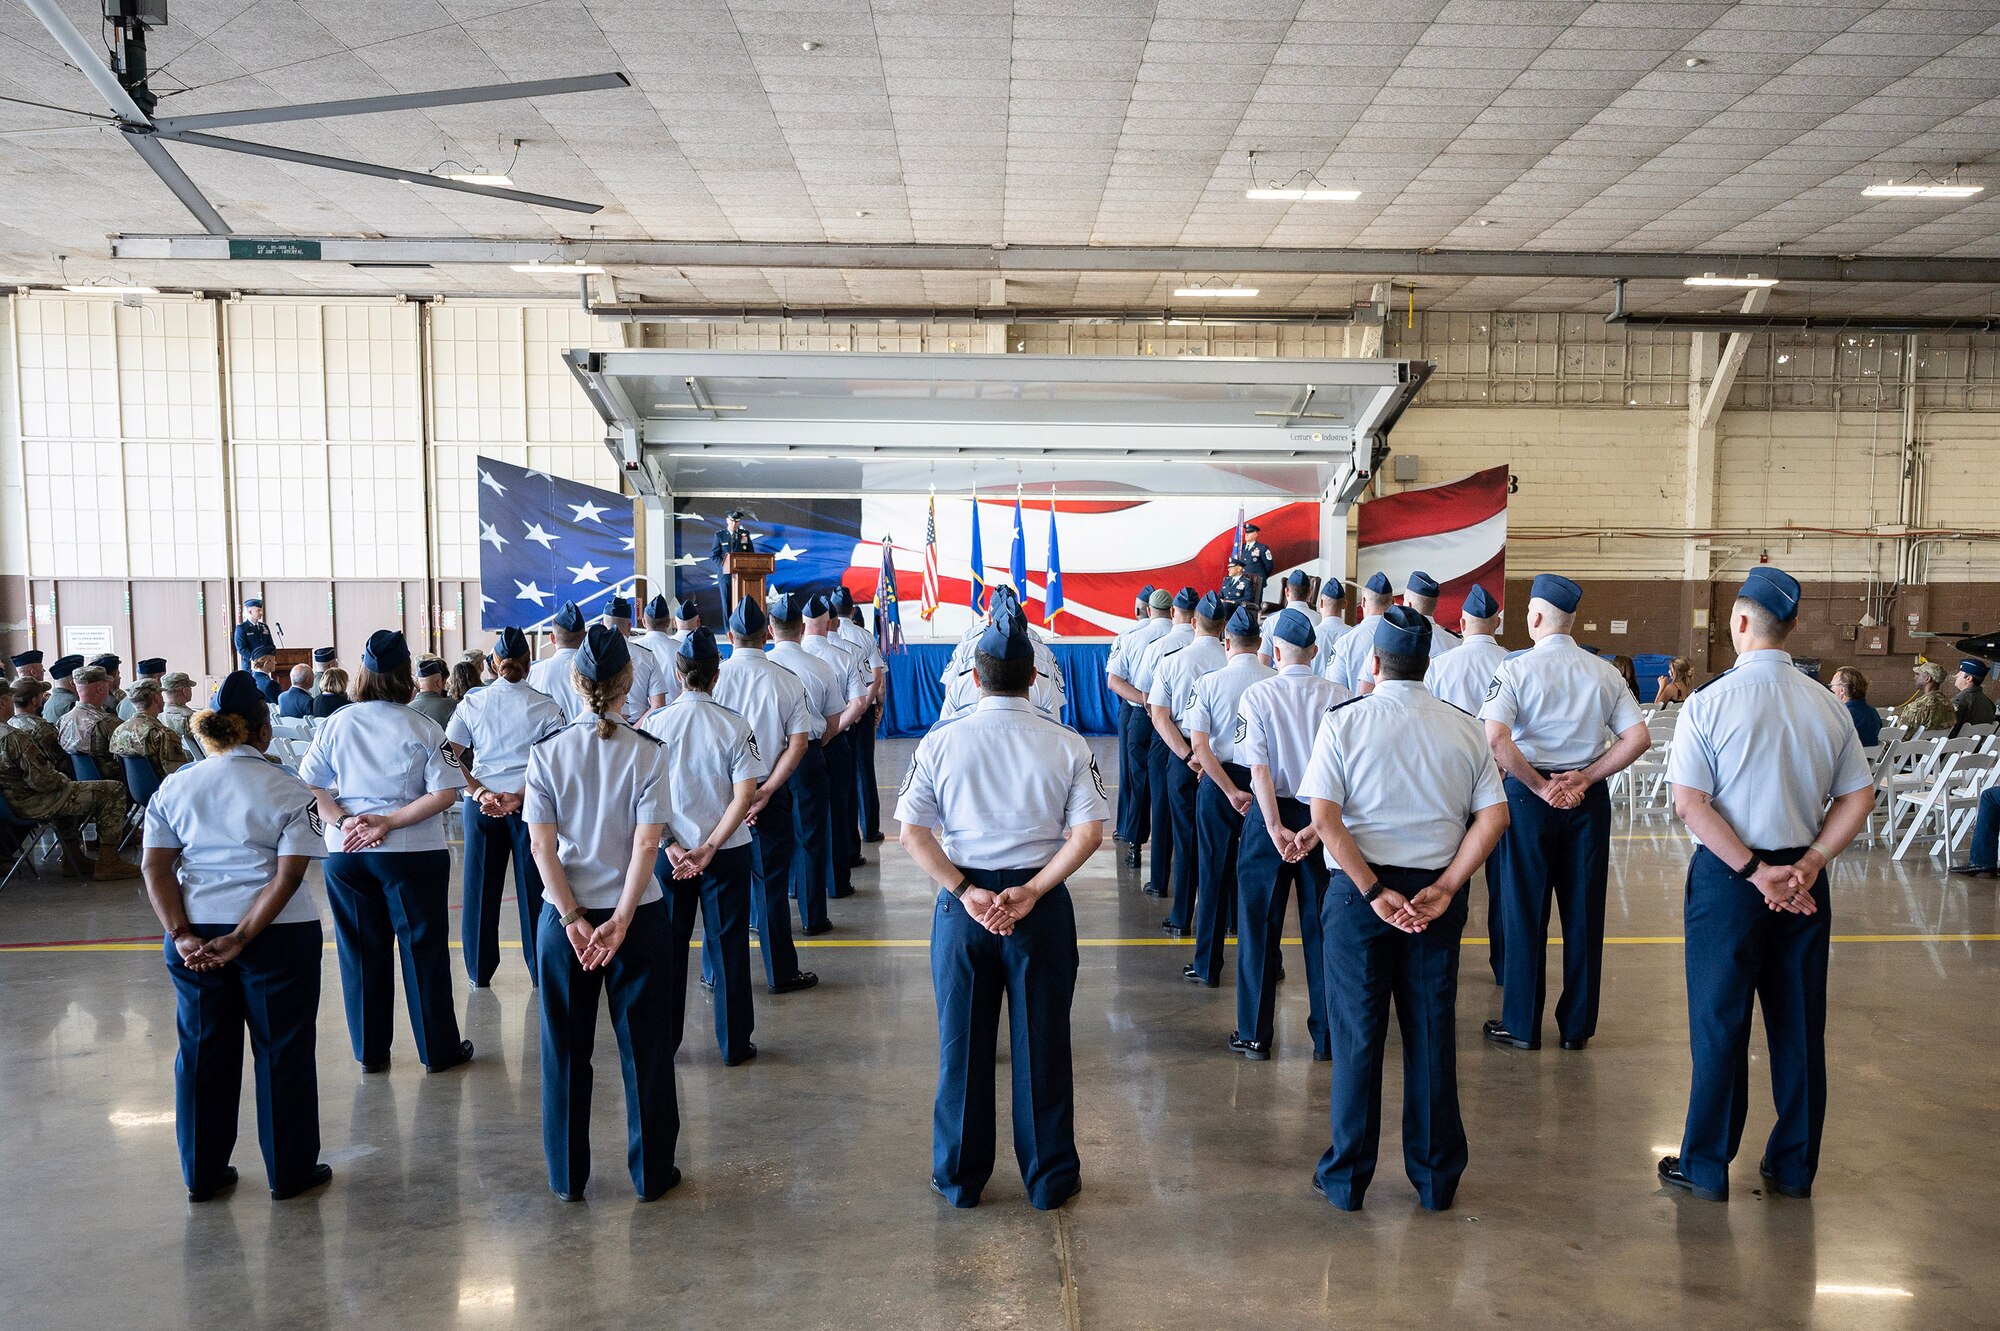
(1000,786)
(230,818)
(1407,771)
(863,642)
(1328,632)
(1147,666)
(1128,646)
(826,689)
(499,722)
(1216,695)
(1769,747)
(768,696)
(646,681)
(961,695)
(709,749)
(376,757)
(1462,675)
(1179,668)
(1347,664)
(663,646)
(849,664)
(1278,718)
(1563,705)
(597,793)
(551,675)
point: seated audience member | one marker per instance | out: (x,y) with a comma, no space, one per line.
(86,728)
(178,687)
(1627,672)
(143,736)
(151,667)
(1851,687)
(1928,708)
(466,676)
(1970,704)
(431,700)
(332,695)
(62,695)
(29,695)
(297,700)
(1679,682)
(260,672)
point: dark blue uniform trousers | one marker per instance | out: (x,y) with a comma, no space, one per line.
(383,902)
(1160,764)
(812,880)
(489,842)
(272,988)
(1218,828)
(1368,963)
(1180,781)
(1739,949)
(845,845)
(868,799)
(772,849)
(721,896)
(1263,881)
(645,984)
(1034,969)
(1135,756)
(1560,858)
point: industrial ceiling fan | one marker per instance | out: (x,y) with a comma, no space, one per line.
(123,85)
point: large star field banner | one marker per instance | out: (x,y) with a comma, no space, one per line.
(544,540)
(814,543)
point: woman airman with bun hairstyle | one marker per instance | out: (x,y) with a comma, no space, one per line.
(226,846)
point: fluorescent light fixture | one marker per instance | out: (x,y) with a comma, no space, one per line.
(1314,195)
(480,178)
(85,289)
(1711,280)
(133,1118)
(572,269)
(1935,189)
(1867,1291)
(1216,293)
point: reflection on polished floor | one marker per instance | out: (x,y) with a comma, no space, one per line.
(806,1202)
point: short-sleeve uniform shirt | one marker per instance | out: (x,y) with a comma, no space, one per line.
(230,818)
(709,749)
(376,757)
(597,792)
(500,722)
(1562,704)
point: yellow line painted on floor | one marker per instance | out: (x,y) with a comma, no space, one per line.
(1662,940)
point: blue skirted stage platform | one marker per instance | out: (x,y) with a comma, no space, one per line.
(916,693)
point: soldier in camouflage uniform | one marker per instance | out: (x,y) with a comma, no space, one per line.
(87,727)
(29,695)
(143,736)
(179,690)
(1930,709)
(35,788)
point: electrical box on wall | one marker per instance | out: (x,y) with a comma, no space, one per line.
(1405,467)
(1872,641)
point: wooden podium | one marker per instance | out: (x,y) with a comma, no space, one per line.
(289,657)
(747,570)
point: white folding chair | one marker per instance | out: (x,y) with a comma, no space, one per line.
(1960,777)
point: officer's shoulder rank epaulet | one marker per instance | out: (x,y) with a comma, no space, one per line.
(648,737)
(551,735)
(1456,708)
(1718,679)
(1333,707)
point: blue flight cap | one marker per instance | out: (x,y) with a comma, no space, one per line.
(687,609)
(843,599)
(1146,592)
(1479,603)
(602,655)
(1006,639)
(816,607)
(1185,599)
(1293,627)
(26,659)
(1775,590)
(385,650)
(66,666)
(152,665)
(1422,584)
(1332,590)
(1976,669)
(568,618)
(748,619)
(1557,590)
(240,696)
(322,655)
(107,660)
(1379,584)
(1403,632)
(619,608)
(698,645)
(779,606)
(1209,606)
(431,669)
(657,608)
(1296,578)
(250,603)
(1242,623)
(1003,596)
(511,644)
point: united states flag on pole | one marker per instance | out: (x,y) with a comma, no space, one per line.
(929,604)
(544,540)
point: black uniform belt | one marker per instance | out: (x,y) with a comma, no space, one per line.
(1553,772)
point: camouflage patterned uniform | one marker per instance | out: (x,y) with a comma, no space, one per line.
(43,734)
(144,737)
(88,729)
(175,717)
(1929,710)
(35,788)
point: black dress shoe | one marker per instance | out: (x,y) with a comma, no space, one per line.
(803,980)
(463,1056)
(938,1188)
(873,838)
(1152,891)
(1574,1045)
(1782,1189)
(380,1065)
(1057,1203)
(321,1176)
(1130,859)
(817,930)
(673,1181)
(1250,1049)
(858,862)
(1671,1175)
(1975,871)
(1170,927)
(1322,1056)
(749,1052)
(215,1189)
(561,1196)
(1193,976)
(1498,1034)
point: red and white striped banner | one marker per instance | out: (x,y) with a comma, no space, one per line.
(1456,532)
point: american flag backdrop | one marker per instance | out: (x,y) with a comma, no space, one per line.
(1456,532)
(544,540)
(930,601)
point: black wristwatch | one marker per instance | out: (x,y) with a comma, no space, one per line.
(1372,891)
(964,886)
(1751,867)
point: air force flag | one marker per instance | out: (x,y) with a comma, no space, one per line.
(544,540)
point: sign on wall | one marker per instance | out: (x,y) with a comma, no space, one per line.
(86,639)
